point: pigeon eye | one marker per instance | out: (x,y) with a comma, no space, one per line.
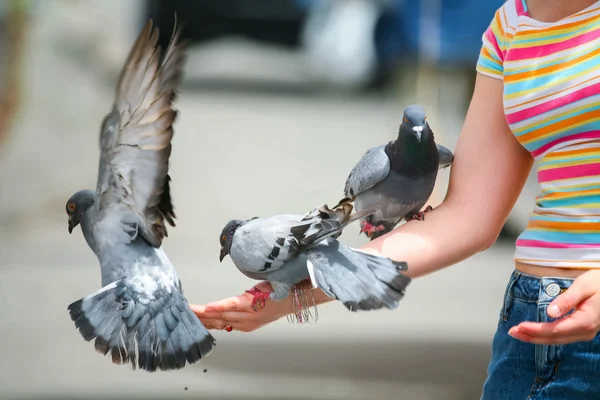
(224,238)
(405,119)
(71,207)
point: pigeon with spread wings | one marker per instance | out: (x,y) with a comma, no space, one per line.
(140,315)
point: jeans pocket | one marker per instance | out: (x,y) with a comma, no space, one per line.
(507,299)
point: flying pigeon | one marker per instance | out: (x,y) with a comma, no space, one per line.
(140,315)
(397,178)
(288,249)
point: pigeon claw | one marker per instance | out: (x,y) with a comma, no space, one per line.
(259,298)
(368,229)
(420,216)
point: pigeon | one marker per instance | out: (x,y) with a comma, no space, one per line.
(398,177)
(289,249)
(140,315)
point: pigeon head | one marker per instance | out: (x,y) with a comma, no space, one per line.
(414,126)
(77,205)
(226,237)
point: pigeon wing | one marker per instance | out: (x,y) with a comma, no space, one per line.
(372,168)
(445,156)
(266,244)
(133,193)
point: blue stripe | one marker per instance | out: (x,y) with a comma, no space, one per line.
(571,159)
(561,237)
(556,218)
(539,142)
(567,190)
(570,202)
(567,35)
(536,82)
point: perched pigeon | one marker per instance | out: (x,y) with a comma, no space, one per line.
(140,315)
(397,178)
(288,249)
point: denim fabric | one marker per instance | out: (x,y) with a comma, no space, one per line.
(521,370)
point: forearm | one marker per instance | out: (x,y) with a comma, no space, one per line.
(444,238)
(449,234)
(489,170)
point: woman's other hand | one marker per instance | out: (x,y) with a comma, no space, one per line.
(583,297)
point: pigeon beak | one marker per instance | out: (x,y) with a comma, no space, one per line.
(72,223)
(418,130)
(222,255)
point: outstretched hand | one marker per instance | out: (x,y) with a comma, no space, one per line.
(582,325)
(236,313)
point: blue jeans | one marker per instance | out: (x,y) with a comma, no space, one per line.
(520,370)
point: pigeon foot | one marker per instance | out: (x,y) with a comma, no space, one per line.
(368,229)
(420,216)
(259,298)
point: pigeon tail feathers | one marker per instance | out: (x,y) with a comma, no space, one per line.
(374,282)
(158,331)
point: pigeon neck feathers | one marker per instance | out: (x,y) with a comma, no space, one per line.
(407,155)
(85,222)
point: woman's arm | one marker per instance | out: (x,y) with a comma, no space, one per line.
(488,173)
(489,170)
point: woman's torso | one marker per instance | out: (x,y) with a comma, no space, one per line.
(552,105)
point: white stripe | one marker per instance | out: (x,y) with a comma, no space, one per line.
(575,18)
(512,18)
(590,144)
(571,212)
(550,254)
(564,145)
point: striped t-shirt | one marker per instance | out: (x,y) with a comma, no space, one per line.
(551,74)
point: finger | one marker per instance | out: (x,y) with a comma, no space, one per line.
(240,326)
(198,309)
(579,323)
(547,340)
(210,323)
(237,303)
(264,286)
(579,291)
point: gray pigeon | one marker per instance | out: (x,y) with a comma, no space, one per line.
(397,178)
(288,249)
(140,315)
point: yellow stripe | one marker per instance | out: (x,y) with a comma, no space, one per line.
(570,77)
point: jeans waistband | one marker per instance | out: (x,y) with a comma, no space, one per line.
(536,289)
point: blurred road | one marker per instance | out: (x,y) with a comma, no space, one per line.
(236,154)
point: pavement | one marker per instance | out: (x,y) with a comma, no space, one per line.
(239,151)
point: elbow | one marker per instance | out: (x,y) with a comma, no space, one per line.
(487,235)
(486,241)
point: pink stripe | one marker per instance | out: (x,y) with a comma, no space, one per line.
(553,245)
(570,138)
(576,171)
(519,7)
(489,34)
(544,50)
(553,104)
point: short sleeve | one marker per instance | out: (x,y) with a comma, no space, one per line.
(491,56)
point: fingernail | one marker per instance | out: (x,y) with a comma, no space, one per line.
(513,331)
(554,310)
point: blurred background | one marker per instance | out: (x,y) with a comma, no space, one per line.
(286,91)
